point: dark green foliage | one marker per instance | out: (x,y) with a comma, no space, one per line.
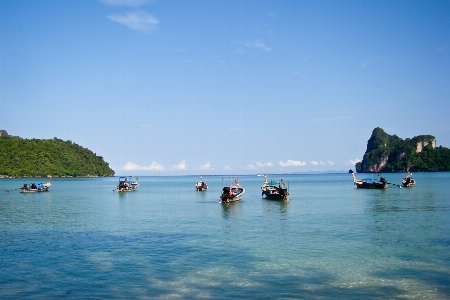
(402,154)
(23,157)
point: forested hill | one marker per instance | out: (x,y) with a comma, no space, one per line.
(55,157)
(390,153)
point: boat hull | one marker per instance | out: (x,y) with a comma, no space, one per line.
(276,196)
(34,190)
(371,185)
(130,189)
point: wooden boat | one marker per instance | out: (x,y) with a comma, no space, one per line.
(370,185)
(201,185)
(274,190)
(232,193)
(408,181)
(127,184)
(36,187)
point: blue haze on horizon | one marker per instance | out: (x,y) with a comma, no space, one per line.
(224,87)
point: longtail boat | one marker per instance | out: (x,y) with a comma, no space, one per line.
(408,181)
(36,187)
(201,185)
(274,190)
(127,184)
(361,184)
(232,193)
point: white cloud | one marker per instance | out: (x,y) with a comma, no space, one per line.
(257,45)
(131,166)
(258,166)
(227,168)
(138,20)
(267,164)
(292,163)
(353,162)
(330,163)
(181,166)
(314,163)
(132,3)
(206,166)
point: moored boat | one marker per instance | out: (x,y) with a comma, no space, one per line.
(232,193)
(274,190)
(408,181)
(370,185)
(201,185)
(127,184)
(36,187)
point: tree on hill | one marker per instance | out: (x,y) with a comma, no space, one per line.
(42,157)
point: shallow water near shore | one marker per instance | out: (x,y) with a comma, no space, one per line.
(166,240)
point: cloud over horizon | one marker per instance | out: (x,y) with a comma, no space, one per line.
(292,163)
(131,166)
(206,166)
(180,167)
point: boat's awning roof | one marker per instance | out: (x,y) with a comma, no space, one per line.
(273,182)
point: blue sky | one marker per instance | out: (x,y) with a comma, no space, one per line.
(224,87)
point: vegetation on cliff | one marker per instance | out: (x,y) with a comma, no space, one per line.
(390,153)
(55,157)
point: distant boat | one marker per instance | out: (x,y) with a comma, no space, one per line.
(232,193)
(370,185)
(127,184)
(36,187)
(274,190)
(408,181)
(201,185)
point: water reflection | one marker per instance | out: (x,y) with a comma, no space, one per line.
(275,207)
(201,196)
(230,210)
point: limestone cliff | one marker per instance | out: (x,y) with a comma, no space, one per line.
(390,153)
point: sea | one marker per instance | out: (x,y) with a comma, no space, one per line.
(83,240)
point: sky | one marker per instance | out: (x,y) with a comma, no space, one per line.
(224,87)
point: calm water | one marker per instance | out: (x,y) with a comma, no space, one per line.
(166,240)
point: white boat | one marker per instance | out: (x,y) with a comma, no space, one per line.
(36,187)
(201,185)
(127,184)
(232,193)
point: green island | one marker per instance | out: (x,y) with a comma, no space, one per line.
(48,157)
(389,153)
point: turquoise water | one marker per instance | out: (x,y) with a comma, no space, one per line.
(166,240)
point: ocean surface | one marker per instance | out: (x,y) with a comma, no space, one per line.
(168,241)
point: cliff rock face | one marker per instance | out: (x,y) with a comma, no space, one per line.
(389,153)
(422,144)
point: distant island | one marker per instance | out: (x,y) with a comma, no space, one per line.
(390,153)
(53,157)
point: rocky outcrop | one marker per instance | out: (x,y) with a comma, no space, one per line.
(425,142)
(390,153)
(3,133)
(378,167)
